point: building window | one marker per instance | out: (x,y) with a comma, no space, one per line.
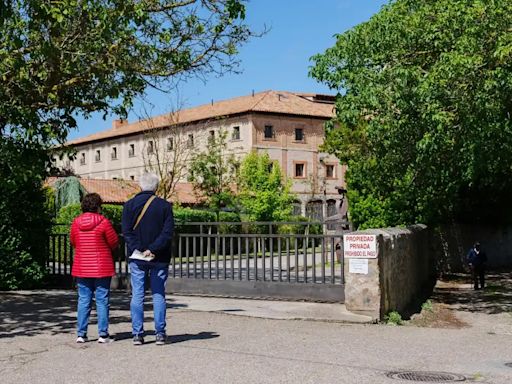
(132,177)
(114,153)
(300,170)
(131,150)
(314,210)
(190,141)
(236,133)
(82,159)
(97,158)
(170,144)
(269,132)
(151,147)
(299,134)
(330,171)
(211,136)
(296,208)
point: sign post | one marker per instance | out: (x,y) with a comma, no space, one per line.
(358,248)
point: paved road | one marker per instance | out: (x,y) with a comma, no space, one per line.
(37,346)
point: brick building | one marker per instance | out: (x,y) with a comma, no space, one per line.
(288,126)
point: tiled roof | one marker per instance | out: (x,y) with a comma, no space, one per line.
(120,191)
(279,102)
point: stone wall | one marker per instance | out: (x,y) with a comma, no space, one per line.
(403,273)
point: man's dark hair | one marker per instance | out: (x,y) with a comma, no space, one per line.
(91,202)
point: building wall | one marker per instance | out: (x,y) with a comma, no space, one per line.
(289,152)
(312,186)
(126,167)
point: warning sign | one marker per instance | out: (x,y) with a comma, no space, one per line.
(360,246)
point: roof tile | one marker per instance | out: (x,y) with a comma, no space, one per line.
(281,102)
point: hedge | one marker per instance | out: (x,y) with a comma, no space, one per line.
(181,215)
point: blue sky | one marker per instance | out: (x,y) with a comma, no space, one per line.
(279,60)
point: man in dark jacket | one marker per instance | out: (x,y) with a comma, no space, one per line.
(148,226)
(476,260)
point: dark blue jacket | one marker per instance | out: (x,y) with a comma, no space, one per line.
(154,231)
(476,259)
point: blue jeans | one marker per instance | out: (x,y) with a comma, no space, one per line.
(158,273)
(87,286)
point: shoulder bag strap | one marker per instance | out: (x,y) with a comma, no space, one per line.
(144,209)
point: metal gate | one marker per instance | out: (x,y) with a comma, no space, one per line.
(227,259)
(293,266)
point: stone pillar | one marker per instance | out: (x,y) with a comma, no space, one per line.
(402,275)
(363,291)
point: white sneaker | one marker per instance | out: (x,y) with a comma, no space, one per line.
(105,339)
(82,339)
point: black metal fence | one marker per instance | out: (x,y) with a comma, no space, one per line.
(306,266)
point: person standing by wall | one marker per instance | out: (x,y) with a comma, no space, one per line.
(148,226)
(93,238)
(476,260)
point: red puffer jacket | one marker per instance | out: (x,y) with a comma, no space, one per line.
(94,238)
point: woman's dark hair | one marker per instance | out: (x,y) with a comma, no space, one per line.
(91,202)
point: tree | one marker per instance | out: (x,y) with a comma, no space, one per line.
(263,193)
(61,59)
(167,153)
(423,112)
(213,173)
(24,215)
(74,57)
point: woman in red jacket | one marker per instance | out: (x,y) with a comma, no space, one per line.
(93,238)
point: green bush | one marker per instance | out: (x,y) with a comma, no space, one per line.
(110,211)
(181,216)
(427,306)
(67,214)
(114,213)
(187,215)
(24,217)
(393,318)
(299,229)
(230,217)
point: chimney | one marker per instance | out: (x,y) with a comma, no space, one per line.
(118,123)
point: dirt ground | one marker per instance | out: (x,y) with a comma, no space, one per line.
(455,304)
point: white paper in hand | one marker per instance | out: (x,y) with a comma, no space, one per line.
(138,255)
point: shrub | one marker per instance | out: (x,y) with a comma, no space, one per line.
(24,219)
(299,229)
(427,306)
(181,216)
(393,318)
(230,217)
(114,213)
(69,213)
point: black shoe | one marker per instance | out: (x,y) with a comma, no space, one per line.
(138,340)
(161,339)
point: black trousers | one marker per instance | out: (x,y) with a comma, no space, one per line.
(478,272)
